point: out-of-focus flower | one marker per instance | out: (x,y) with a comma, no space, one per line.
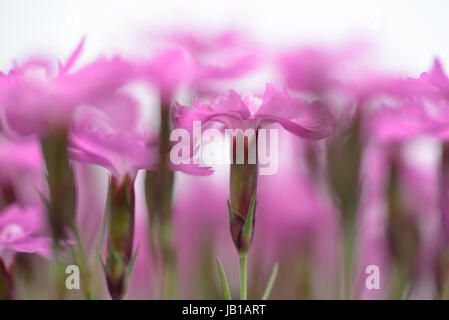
(168,70)
(319,70)
(197,59)
(36,100)
(121,153)
(20,231)
(21,177)
(219,56)
(94,140)
(437,79)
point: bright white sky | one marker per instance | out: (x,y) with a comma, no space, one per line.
(408,33)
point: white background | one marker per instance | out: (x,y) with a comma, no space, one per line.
(407,34)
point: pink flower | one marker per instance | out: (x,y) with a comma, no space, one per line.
(194,59)
(122,153)
(19,232)
(168,70)
(408,120)
(437,79)
(413,107)
(219,56)
(22,172)
(318,70)
(35,100)
(304,119)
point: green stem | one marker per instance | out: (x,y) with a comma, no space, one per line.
(223,281)
(6,283)
(80,256)
(271,281)
(170,281)
(243,259)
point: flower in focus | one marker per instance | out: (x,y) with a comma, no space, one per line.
(303,119)
(307,120)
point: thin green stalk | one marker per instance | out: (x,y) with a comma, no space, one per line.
(243,259)
(271,281)
(223,281)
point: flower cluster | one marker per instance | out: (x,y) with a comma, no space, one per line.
(352,211)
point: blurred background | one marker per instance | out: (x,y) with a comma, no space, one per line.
(406,34)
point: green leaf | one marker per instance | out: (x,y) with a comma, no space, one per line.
(231,214)
(271,281)
(131,264)
(103,264)
(44,199)
(104,225)
(223,280)
(81,251)
(248,227)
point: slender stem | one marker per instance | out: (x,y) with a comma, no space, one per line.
(243,259)
(271,281)
(81,257)
(170,281)
(224,281)
(6,283)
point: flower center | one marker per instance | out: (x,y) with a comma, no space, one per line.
(11,231)
(253,103)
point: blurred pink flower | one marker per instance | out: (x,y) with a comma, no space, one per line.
(193,59)
(219,56)
(19,232)
(167,70)
(35,100)
(317,69)
(406,121)
(22,173)
(437,79)
(304,119)
(122,153)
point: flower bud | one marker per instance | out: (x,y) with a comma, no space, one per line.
(344,158)
(120,236)
(243,183)
(402,229)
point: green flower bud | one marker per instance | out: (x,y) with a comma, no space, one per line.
(120,236)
